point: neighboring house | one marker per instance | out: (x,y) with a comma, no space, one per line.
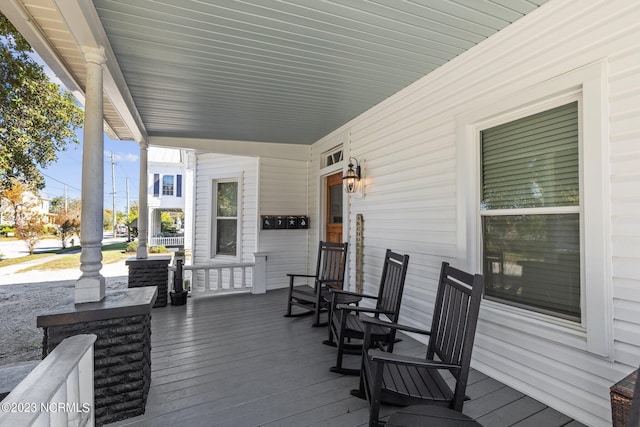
(170,191)
(519,158)
(40,203)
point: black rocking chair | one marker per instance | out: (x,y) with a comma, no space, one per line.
(332,258)
(402,380)
(345,321)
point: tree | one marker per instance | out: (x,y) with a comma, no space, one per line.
(30,228)
(28,222)
(67,217)
(37,117)
(14,196)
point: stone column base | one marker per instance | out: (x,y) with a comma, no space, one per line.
(152,271)
(122,352)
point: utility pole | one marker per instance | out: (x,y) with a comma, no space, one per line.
(113,187)
(127,181)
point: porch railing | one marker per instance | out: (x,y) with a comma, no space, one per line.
(221,278)
(58,392)
(167,241)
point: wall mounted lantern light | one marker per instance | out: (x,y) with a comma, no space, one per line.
(351,177)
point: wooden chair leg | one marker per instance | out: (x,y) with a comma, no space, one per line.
(338,369)
(289,297)
(316,314)
(374,392)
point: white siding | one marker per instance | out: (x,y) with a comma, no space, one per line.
(215,166)
(408,147)
(283,191)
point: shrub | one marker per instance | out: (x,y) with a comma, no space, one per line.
(5,229)
(131,247)
(158,249)
(51,229)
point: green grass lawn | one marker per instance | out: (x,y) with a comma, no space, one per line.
(110,254)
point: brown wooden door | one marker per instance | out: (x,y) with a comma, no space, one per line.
(334,208)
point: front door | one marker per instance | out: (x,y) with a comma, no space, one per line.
(334,208)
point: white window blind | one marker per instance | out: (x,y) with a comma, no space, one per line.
(530,209)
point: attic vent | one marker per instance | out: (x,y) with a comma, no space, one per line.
(333,157)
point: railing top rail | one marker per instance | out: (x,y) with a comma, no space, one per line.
(220,265)
(41,384)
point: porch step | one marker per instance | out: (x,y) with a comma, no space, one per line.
(12,374)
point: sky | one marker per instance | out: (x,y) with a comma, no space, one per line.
(66,172)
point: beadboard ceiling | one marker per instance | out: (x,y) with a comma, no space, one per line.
(284,71)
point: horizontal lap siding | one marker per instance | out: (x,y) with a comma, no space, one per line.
(283,191)
(624,87)
(216,166)
(408,147)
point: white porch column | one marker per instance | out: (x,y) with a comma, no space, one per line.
(143,204)
(90,286)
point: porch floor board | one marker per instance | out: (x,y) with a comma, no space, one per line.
(236,361)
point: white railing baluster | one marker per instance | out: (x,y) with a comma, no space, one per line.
(227,284)
(59,391)
(166,241)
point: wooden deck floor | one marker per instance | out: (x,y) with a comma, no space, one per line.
(236,361)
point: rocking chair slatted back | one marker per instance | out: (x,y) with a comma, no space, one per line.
(455,319)
(331,264)
(392,284)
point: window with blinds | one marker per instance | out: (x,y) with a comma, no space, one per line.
(530,211)
(226,219)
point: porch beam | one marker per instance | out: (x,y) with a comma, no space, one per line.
(237,148)
(90,286)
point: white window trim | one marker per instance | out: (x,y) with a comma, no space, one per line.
(595,333)
(173,186)
(213,222)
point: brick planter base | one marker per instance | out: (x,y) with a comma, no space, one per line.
(153,271)
(122,352)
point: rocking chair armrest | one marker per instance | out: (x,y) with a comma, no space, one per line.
(328,282)
(362,309)
(401,359)
(355,294)
(300,275)
(397,326)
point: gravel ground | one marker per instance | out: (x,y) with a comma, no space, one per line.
(20,304)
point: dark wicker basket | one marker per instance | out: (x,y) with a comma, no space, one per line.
(621,396)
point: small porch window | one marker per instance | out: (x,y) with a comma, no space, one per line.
(225,238)
(167,185)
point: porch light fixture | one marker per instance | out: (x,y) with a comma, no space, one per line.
(351,178)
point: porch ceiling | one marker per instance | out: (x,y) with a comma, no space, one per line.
(288,71)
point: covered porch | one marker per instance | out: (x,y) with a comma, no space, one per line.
(236,360)
(265,97)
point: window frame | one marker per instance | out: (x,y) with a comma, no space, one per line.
(164,186)
(594,332)
(214,220)
(553,210)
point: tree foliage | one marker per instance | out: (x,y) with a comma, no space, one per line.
(37,118)
(67,217)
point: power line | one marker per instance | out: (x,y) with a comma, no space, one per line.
(61,182)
